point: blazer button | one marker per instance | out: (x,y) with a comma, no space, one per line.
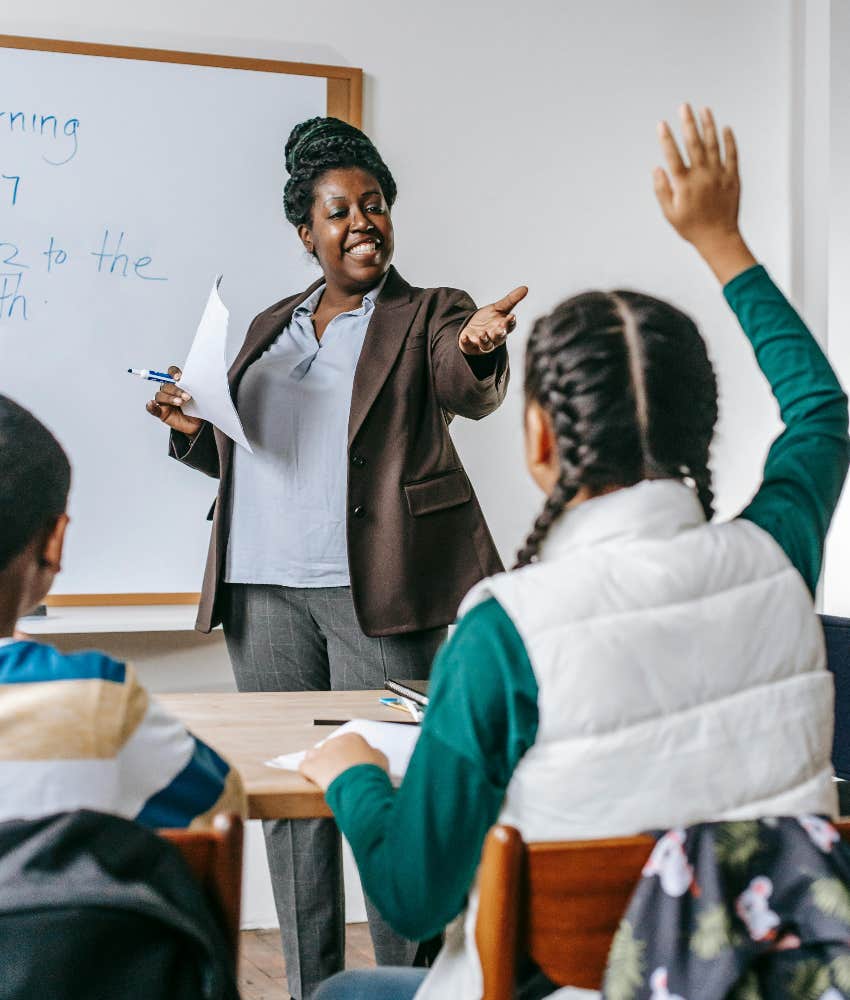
(359,511)
(358,460)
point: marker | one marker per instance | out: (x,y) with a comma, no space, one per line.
(152,376)
(394,703)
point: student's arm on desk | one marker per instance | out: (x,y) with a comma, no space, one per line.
(418,848)
(168,777)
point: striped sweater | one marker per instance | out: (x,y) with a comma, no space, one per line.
(80,732)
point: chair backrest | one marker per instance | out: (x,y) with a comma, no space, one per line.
(558,903)
(837,635)
(214,857)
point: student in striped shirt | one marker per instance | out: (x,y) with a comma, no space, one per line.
(79,731)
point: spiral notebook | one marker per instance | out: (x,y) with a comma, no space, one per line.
(417,691)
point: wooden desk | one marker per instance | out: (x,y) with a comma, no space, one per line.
(249,729)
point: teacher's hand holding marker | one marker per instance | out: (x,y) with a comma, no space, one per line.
(345,538)
(166,404)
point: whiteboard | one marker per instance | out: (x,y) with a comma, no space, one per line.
(126,185)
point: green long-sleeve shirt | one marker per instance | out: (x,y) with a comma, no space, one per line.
(418,847)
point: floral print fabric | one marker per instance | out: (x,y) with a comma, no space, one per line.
(744,910)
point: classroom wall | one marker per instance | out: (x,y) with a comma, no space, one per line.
(522,139)
(837,228)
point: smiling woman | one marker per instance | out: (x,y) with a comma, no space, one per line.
(343,545)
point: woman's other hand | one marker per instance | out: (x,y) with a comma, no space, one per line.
(490,326)
(326,762)
(166,406)
(700,196)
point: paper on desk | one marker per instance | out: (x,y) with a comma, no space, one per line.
(205,372)
(395,739)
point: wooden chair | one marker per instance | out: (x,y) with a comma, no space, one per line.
(558,903)
(215,858)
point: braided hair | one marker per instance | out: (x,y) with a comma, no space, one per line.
(321,144)
(631,392)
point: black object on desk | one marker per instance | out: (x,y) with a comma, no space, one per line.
(416,691)
(342,722)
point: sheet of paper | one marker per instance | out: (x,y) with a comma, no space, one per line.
(396,740)
(205,372)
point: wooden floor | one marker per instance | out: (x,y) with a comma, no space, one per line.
(262,973)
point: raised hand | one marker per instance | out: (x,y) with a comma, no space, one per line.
(490,326)
(166,406)
(701,195)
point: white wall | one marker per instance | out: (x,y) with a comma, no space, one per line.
(836,577)
(522,137)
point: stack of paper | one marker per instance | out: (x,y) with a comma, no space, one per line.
(205,372)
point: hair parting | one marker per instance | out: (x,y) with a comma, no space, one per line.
(628,385)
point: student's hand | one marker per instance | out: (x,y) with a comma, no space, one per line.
(165,406)
(490,326)
(327,761)
(700,197)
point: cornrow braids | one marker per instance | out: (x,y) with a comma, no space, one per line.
(682,390)
(552,510)
(321,144)
(631,393)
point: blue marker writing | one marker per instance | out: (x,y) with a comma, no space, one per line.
(152,376)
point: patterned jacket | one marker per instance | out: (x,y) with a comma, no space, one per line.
(743,910)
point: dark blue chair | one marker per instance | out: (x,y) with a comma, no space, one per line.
(837,634)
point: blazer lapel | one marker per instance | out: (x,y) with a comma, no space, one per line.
(263,335)
(394,312)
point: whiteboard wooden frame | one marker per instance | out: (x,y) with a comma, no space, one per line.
(344,83)
(344,100)
(116,600)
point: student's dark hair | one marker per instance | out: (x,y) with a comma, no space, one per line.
(321,144)
(35,477)
(631,392)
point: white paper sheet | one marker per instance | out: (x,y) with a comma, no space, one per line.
(205,372)
(395,739)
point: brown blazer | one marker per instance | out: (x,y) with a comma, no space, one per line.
(417,540)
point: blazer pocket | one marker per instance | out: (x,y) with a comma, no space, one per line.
(448,489)
(416,342)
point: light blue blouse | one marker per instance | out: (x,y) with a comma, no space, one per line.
(288,498)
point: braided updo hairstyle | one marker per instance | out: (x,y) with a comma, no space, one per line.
(631,392)
(321,144)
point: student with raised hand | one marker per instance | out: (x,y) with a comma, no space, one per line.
(642,667)
(79,731)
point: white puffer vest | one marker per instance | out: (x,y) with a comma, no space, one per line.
(681,675)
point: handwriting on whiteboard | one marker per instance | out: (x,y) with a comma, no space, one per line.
(111,259)
(58,136)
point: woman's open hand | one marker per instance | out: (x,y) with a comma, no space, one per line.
(166,406)
(336,754)
(490,326)
(700,197)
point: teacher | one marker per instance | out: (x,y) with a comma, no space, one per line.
(342,546)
